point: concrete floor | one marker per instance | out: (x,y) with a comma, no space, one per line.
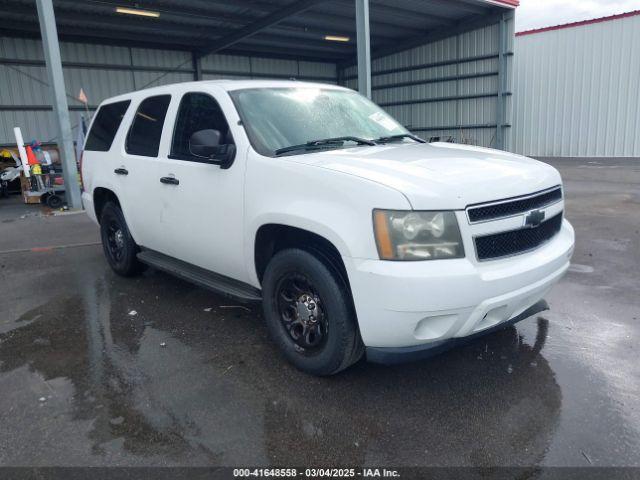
(191,378)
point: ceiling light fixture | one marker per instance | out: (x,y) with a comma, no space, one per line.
(135,11)
(336,38)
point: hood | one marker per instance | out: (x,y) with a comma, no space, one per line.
(440,175)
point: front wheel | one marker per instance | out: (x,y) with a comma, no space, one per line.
(117,243)
(309,313)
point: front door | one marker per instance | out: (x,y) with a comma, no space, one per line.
(201,204)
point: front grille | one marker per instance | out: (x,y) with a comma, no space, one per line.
(517,241)
(507,208)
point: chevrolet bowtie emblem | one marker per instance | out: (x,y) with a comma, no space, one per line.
(534,218)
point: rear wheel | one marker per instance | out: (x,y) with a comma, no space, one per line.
(117,243)
(309,313)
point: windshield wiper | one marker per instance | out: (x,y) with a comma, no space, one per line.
(325,142)
(391,138)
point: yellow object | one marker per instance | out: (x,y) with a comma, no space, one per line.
(36,169)
(336,38)
(383,237)
(135,11)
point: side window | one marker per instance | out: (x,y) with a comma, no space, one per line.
(198,111)
(146,129)
(104,128)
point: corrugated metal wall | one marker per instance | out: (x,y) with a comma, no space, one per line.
(445,88)
(577,91)
(103,71)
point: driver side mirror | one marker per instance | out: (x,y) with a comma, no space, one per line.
(206,144)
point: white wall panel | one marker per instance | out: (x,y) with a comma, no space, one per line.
(220,76)
(274,65)
(23,85)
(317,69)
(97,84)
(148,57)
(155,79)
(92,53)
(24,48)
(233,63)
(576,91)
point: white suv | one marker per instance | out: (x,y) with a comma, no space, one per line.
(356,235)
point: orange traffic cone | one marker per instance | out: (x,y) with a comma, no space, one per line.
(31,157)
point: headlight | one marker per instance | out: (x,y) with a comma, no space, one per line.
(411,235)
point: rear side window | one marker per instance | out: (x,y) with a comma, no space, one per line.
(146,129)
(198,111)
(105,126)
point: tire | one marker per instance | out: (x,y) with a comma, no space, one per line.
(296,285)
(54,201)
(117,243)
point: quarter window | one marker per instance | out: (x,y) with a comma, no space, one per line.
(198,111)
(104,127)
(146,129)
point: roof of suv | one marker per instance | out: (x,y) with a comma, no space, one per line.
(227,85)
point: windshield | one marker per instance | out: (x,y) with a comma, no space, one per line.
(276,118)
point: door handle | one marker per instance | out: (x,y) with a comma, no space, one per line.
(169,180)
(121,171)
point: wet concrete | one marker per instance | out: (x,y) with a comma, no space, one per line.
(192,379)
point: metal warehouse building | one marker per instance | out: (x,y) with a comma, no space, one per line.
(576,89)
(442,67)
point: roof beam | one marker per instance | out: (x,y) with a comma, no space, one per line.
(111,22)
(266,22)
(380,13)
(311,23)
(124,28)
(182,18)
(470,6)
(288,53)
(318,19)
(93,35)
(344,49)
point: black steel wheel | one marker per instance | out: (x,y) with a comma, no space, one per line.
(116,248)
(117,243)
(302,313)
(309,313)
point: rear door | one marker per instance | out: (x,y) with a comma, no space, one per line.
(137,170)
(100,151)
(201,214)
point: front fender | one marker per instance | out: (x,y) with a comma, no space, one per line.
(333,205)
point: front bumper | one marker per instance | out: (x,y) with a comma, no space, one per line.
(393,355)
(423,304)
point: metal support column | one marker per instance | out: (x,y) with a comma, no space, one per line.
(364,47)
(502,77)
(197,66)
(59,96)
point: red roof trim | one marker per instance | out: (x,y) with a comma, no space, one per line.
(511,3)
(579,24)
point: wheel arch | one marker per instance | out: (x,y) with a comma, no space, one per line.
(101,196)
(271,238)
